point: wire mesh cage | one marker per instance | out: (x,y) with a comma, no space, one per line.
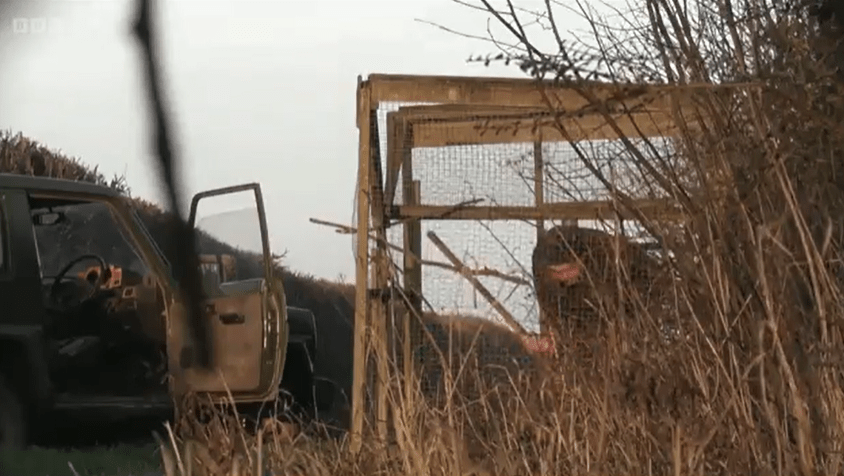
(497,218)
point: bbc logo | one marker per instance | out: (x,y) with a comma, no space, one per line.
(38,26)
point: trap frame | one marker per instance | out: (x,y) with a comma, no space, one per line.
(444,113)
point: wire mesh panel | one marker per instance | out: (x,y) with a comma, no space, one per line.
(582,171)
(505,175)
(499,174)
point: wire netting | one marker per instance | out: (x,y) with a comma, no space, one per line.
(499,253)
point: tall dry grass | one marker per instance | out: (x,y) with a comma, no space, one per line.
(752,385)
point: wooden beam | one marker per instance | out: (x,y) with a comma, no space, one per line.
(465,112)
(439,112)
(504,131)
(594,210)
(499,91)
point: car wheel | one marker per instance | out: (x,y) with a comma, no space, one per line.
(12,422)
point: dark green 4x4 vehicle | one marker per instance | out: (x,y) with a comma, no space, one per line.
(91,320)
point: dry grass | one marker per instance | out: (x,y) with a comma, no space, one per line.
(753,384)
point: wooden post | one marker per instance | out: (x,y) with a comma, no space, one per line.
(361,269)
(380,272)
(413,286)
(538,184)
(378,344)
(411,195)
(539,194)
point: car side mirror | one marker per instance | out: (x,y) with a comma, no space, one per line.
(48,218)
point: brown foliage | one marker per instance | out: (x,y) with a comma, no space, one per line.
(479,354)
(747,384)
(751,382)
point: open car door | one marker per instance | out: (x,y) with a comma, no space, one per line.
(245,309)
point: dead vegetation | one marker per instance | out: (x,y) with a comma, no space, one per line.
(753,384)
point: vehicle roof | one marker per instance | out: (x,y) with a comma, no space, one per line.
(48,184)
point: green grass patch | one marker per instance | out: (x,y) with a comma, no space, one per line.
(120,460)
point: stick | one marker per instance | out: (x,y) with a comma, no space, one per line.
(461,268)
(341,229)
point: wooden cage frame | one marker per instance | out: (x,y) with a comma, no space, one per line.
(470,110)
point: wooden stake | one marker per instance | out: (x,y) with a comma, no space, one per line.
(380,277)
(508,318)
(538,185)
(361,271)
(411,191)
(539,197)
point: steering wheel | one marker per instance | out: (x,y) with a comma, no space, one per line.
(93,286)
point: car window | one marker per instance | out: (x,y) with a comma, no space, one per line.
(88,228)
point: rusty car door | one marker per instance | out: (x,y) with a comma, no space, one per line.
(246,314)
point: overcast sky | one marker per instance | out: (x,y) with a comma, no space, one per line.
(261,91)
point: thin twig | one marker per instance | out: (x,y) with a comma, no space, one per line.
(465,35)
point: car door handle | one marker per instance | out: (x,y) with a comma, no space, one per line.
(231,318)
